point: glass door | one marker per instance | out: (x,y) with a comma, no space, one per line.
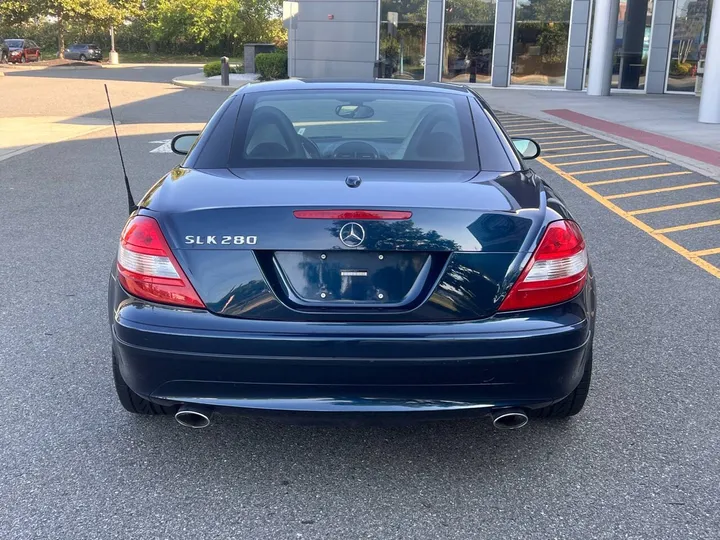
(468,44)
(402,39)
(690,35)
(540,42)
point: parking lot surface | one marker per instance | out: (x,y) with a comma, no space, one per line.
(678,207)
(641,461)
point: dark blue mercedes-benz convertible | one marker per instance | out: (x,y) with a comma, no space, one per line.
(341,247)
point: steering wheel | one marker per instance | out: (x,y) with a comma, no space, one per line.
(310,147)
(355,150)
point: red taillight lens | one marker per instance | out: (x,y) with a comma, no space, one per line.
(148,269)
(556,272)
(353,214)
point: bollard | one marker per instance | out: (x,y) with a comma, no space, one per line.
(224,71)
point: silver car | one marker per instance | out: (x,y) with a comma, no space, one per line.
(83,52)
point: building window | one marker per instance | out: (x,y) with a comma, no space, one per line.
(402,39)
(690,35)
(540,42)
(469,33)
(632,43)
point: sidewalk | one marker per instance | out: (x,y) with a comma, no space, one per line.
(22,134)
(665,125)
(201,82)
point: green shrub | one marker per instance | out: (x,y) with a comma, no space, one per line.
(680,69)
(272,65)
(212,69)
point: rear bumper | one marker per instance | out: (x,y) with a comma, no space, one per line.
(175,355)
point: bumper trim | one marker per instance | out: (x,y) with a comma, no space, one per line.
(288,358)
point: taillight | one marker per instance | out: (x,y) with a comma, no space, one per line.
(353,214)
(148,269)
(556,272)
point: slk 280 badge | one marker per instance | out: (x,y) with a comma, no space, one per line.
(221,240)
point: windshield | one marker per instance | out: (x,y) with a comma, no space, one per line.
(379,128)
(14,43)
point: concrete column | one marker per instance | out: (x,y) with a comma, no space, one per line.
(603,44)
(579,26)
(710,97)
(656,72)
(502,42)
(433,39)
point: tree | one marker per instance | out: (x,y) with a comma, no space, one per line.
(92,12)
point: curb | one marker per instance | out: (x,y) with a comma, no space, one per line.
(202,86)
(45,68)
(697,166)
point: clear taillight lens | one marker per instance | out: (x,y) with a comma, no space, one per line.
(148,269)
(556,272)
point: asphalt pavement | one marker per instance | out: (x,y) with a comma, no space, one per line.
(641,460)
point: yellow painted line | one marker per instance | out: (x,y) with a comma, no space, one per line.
(633,178)
(677,248)
(581,146)
(543,130)
(678,228)
(624,168)
(517,123)
(673,207)
(659,190)
(706,252)
(601,160)
(566,138)
(591,153)
(569,140)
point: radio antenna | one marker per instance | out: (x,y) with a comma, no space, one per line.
(131,202)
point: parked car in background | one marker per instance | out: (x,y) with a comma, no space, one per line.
(23,50)
(83,52)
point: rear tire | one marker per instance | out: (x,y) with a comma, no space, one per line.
(132,402)
(572,404)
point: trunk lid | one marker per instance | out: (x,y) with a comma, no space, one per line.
(242,245)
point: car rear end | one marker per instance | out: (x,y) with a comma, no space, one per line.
(94,52)
(422,286)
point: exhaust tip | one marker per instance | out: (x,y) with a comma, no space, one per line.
(195,418)
(510,419)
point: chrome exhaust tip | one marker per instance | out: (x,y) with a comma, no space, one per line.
(194,416)
(509,419)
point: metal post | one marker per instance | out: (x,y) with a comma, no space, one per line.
(710,97)
(224,71)
(114,59)
(603,45)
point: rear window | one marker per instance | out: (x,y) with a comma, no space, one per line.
(381,128)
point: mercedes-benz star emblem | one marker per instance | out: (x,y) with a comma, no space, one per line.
(352,234)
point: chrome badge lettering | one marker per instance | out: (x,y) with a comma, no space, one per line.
(225,240)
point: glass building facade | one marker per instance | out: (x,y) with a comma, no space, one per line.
(656,46)
(542,43)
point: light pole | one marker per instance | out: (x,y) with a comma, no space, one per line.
(114,59)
